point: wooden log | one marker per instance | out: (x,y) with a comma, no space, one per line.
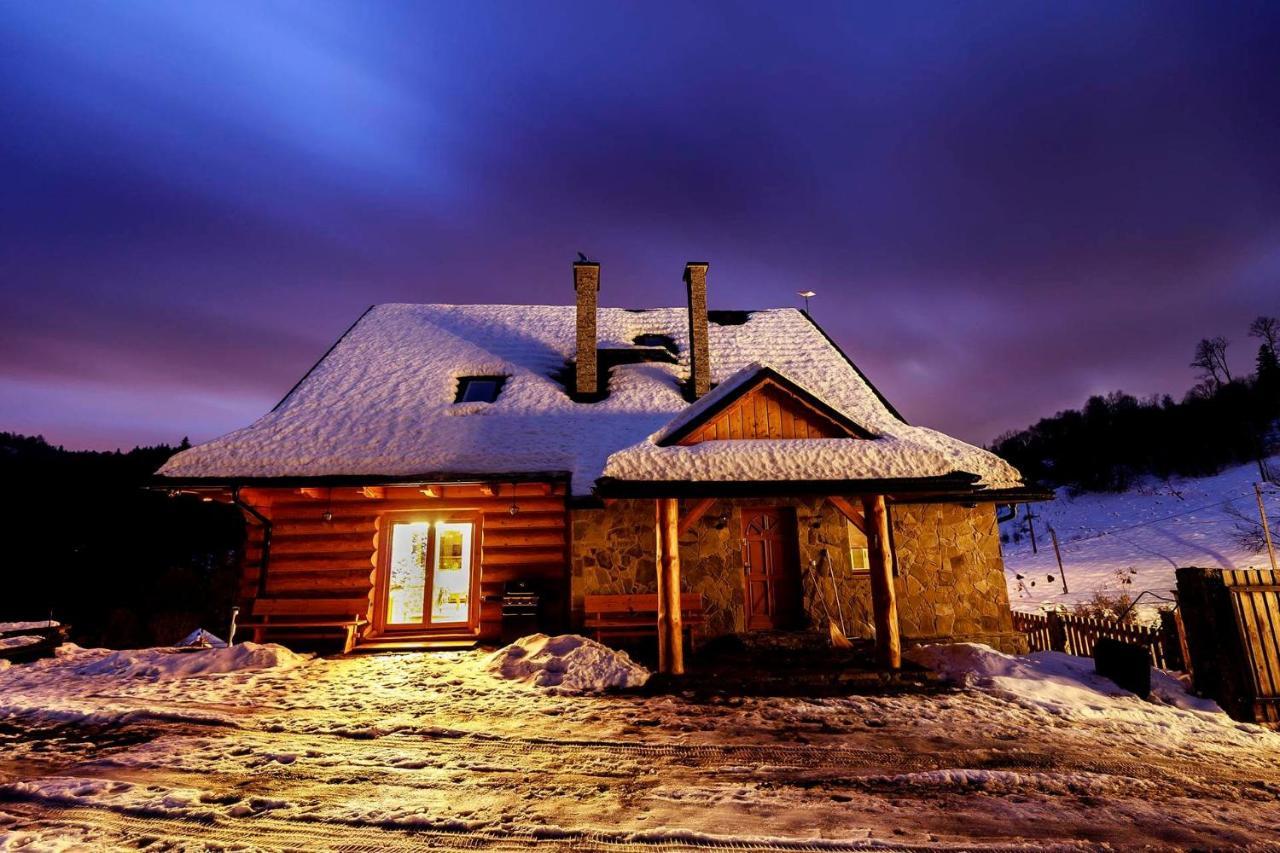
(539,571)
(524,520)
(346,606)
(516,538)
(339,583)
(883,597)
(321,544)
(360,506)
(521,556)
(312,562)
(670,628)
(286,526)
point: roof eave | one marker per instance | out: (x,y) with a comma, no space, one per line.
(337,480)
(953,486)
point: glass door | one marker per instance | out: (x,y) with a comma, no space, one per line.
(451,582)
(429,574)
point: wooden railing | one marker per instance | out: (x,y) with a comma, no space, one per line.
(1076,635)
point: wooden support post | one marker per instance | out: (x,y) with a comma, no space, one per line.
(849,511)
(670,629)
(883,598)
(695,512)
(1266,531)
(1057,552)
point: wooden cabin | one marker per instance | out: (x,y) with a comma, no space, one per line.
(454,474)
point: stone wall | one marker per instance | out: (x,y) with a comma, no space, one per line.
(950,583)
(950,579)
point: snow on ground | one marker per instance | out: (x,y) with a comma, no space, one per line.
(568,662)
(1133,541)
(169,663)
(12,627)
(433,751)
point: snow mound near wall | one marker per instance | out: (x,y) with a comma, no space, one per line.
(568,662)
(1059,683)
(168,663)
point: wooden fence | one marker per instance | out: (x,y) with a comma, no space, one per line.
(1233,631)
(1076,635)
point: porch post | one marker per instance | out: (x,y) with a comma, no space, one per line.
(883,598)
(670,629)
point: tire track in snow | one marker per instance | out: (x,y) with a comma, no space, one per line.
(273,834)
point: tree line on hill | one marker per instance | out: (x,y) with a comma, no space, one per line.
(88,544)
(1225,419)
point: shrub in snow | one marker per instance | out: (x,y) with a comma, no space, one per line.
(568,662)
(165,663)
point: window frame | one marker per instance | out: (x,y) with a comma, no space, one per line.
(465,383)
(386,522)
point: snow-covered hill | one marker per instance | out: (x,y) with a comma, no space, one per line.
(1133,541)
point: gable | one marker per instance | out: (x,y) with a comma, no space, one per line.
(768,406)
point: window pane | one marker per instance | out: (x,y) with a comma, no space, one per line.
(451,593)
(480,391)
(406,589)
(857,548)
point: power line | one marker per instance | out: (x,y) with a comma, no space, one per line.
(1152,521)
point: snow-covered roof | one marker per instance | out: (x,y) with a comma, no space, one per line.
(381,404)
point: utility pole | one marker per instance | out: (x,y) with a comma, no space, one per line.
(1053,534)
(1031,527)
(1266,531)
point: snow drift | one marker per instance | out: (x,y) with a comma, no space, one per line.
(167,663)
(568,662)
(1056,682)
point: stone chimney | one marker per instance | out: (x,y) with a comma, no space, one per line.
(695,276)
(586,281)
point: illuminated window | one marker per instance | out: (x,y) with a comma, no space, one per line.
(858,560)
(479,389)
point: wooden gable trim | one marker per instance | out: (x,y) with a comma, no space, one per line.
(767,406)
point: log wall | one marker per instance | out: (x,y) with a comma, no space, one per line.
(328,563)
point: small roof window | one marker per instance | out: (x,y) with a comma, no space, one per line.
(479,389)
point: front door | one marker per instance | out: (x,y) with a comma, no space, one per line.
(770,563)
(428,575)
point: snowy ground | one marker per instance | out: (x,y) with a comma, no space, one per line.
(1133,541)
(255,748)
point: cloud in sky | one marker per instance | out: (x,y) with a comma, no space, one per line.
(1003,207)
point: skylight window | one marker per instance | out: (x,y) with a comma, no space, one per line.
(479,389)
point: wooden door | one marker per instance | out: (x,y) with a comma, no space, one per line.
(770,565)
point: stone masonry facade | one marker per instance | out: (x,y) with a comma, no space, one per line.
(949,580)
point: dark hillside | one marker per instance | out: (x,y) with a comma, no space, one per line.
(1112,440)
(125,566)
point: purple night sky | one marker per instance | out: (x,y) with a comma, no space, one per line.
(1003,207)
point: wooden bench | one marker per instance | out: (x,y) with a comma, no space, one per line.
(309,618)
(637,615)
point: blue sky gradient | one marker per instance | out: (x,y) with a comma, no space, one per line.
(1003,207)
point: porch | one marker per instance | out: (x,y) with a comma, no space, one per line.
(882,569)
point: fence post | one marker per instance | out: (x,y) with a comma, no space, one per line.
(1057,632)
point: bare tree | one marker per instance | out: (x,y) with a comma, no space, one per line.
(1248,529)
(1211,358)
(1267,328)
